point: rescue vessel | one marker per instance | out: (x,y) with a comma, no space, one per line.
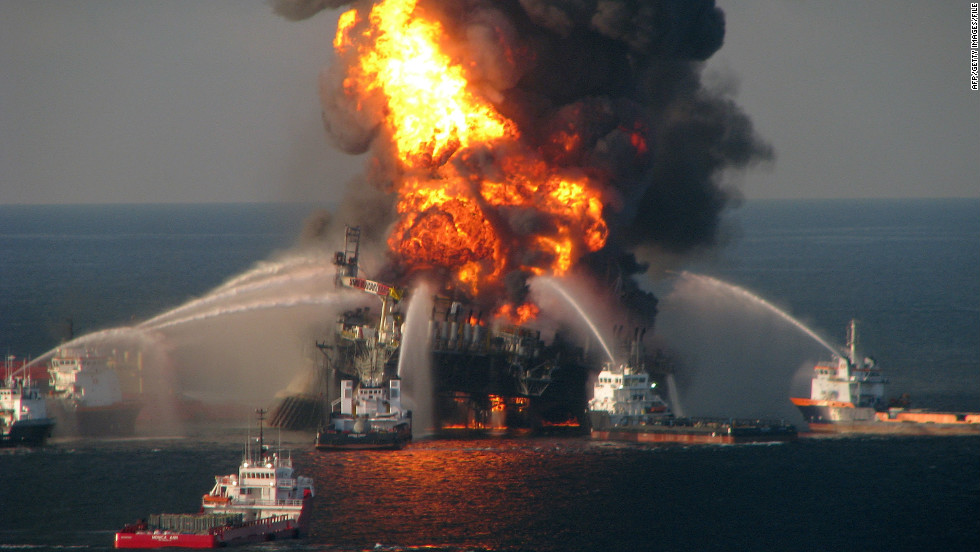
(847,395)
(264,501)
(370,417)
(23,414)
(624,407)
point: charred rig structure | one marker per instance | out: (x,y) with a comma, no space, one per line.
(485,377)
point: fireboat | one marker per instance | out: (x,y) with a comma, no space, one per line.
(625,407)
(847,395)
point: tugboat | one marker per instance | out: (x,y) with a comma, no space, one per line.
(264,501)
(370,415)
(847,397)
(87,391)
(624,407)
(23,415)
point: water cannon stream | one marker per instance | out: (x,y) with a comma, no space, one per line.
(745,294)
(554,285)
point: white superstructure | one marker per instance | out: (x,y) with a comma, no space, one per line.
(844,381)
(84,378)
(23,413)
(626,395)
(373,408)
(264,487)
(87,394)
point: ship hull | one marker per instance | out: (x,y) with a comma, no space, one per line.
(116,419)
(261,530)
(895,428)
(654,436)
(691,430)
(337,441)
(28,433)
(828,417)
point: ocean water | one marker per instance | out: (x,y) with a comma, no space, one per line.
(75,269)
(534,494)
(908,270)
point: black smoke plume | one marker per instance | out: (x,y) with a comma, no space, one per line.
(622,75)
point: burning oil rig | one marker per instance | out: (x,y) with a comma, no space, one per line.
(486,375)
(492,167)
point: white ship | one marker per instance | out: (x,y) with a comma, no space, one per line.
(624,407)
(23,414)
(265,500)
(88,394)
(847,395)
(624,396)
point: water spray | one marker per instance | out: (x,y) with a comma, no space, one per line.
(414,360)
(266,269)
(297,301)
(745,294)
(238,291)
(561,291)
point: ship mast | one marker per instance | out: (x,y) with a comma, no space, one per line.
(261,416)
(853,351)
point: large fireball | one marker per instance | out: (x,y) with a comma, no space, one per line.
(455,214)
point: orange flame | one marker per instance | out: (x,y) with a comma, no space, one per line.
(451,215)
(517,315)
(431,112)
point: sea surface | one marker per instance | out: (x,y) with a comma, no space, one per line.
(907,269)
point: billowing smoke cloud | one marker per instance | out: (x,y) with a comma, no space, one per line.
(610,88)
(297,10)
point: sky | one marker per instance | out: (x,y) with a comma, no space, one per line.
(110,101)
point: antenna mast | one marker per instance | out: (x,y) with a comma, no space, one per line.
(261,413)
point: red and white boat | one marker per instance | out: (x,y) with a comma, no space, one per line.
(264,501)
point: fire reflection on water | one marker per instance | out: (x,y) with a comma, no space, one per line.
(435,493)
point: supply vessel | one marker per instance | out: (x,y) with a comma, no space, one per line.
(266,500)
(625,407)
(24,419)
(847,395)
(87,395)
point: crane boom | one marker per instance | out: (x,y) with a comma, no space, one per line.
(370,286)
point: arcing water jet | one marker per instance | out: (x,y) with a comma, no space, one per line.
(324,299)
(737,355)
(745,294)
(555,286)
(253,282)
(264,270)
